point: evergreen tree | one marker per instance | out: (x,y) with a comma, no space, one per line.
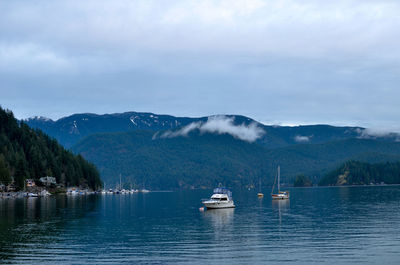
(21,173)
(302,181)
(359,173)
(4,171)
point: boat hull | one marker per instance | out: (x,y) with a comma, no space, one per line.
(218,205)
(280,197)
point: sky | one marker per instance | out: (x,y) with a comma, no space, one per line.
(283,62)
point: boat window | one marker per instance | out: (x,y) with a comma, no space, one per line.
(224,199)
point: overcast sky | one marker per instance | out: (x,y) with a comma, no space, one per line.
(279,62)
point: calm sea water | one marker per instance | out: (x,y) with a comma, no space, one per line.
(318,225)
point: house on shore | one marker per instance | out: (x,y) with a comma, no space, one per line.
(30,183)
(48,181)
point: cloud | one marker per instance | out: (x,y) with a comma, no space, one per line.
(372,133)
(281,60)
(220,125)
(181,132)
(287,27)
(28,57)
(302,138)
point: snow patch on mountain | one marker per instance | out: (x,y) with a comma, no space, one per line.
(133,120)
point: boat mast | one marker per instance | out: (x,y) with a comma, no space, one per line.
(120,187)
(279,177)
(273,186)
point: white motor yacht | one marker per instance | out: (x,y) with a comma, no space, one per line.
(221,198)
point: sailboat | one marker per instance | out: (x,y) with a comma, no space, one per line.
(281,195)
(259,194)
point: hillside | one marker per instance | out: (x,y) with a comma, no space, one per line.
(70,130)
(359,173)
(171,163)
(206,159)
(27,153)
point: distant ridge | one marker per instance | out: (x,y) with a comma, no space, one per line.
(71,129)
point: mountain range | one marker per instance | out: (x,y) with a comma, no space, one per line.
(167,152)
(70,130)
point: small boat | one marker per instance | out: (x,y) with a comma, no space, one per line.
(31,194)
(259,194)
(104,190)
(221,198)
(72,191)
(44,193)
(281,195)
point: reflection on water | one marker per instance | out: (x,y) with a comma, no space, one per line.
(219,217)
(282,206)
(318,225)
(28,223)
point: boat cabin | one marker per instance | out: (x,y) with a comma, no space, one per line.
(220,197)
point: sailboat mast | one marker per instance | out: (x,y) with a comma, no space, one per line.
(120,187)
(279,178)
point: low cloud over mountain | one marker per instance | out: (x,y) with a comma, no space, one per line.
(220,125)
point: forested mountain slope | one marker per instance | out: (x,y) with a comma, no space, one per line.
(205,159)
(29,153)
